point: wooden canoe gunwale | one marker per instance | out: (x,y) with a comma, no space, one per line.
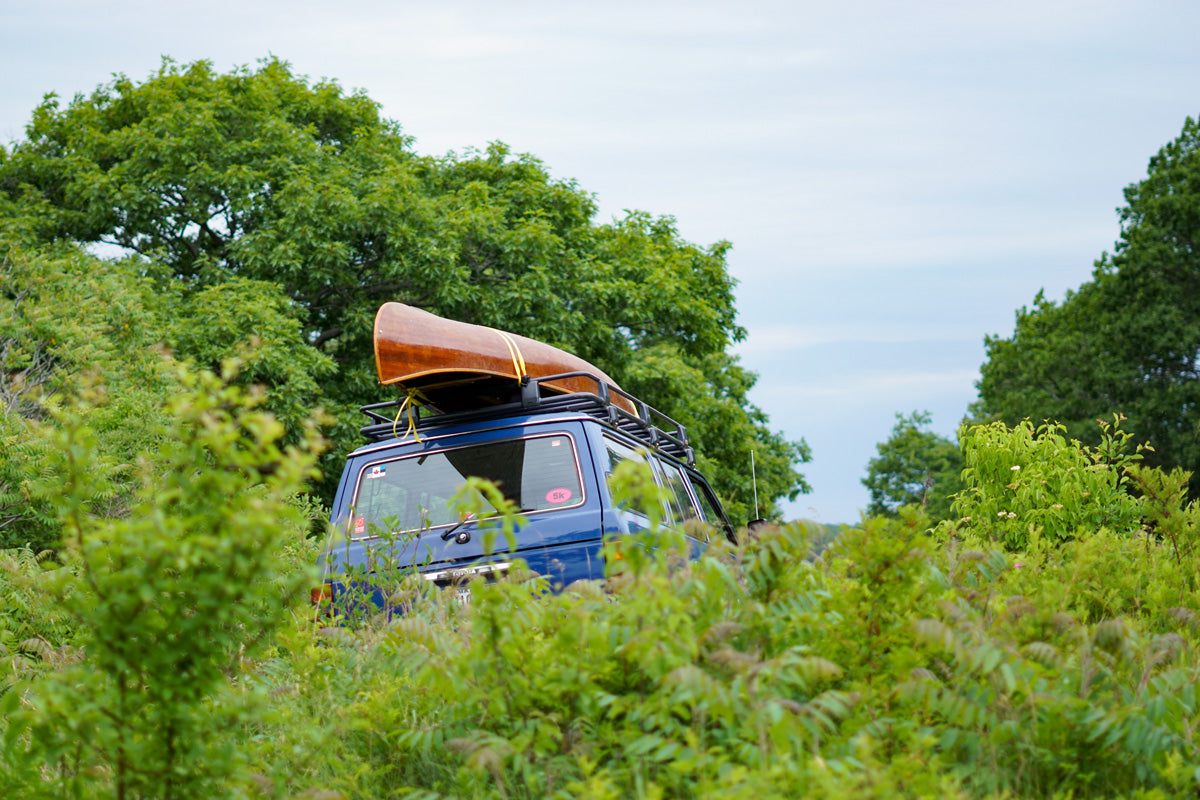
(447,371)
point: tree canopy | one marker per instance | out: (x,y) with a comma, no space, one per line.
(257,189)
(1127,341)
(915,466)
(71,322)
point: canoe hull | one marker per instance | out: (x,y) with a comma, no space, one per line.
(455,366)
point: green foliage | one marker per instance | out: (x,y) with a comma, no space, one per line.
(22,522)
(172,167)
(1170,517)
(167,601)
(254,321)
(914,467)
(882,570)
(899,664)
(65,315)
(261,176)
(1025,483)
(61,318)
(36,632)
(654,687)
(903,661)
(1126,341)
(1040,721)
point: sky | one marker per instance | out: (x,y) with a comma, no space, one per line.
(896,179)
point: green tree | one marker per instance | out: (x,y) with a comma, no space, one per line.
(62,319)
(259,175)
(67,317)
(915,466)
(1126,341)
(168,600)
(255,321)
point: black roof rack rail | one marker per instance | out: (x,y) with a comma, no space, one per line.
(645,423)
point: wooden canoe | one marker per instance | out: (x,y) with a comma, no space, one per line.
(457,366)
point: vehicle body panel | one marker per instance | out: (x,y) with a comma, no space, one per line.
(555,465)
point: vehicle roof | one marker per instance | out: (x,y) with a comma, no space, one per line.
(454,429)
(607,406)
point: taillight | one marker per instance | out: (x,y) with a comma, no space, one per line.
(321,595)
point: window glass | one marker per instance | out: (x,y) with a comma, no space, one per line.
(619,452)
(709,507)
(679,506)
(682,506)
(537,474)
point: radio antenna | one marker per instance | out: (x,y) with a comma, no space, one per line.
(754,479)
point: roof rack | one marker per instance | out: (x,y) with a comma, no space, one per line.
(607,404)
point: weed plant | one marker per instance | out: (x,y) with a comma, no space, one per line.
(1052,659)
(165,604)
(904,661)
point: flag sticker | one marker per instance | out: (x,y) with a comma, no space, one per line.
(377,471)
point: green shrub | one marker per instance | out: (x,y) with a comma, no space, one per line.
(673,678)
(66,320)
(1043,678)
(902,661)
(1023,480)
(168,600)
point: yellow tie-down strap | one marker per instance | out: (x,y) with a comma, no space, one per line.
(514,351)
(412,399)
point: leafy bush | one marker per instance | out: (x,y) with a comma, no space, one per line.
(168,601)
(1024,482)
(62,319)
(900,661)
(672,678)
(67,317)
(36,632)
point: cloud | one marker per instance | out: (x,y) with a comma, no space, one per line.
(773,339)
(869,384)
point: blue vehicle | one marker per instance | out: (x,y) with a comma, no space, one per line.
(549,454)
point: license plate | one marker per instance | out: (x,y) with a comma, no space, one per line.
(459,579)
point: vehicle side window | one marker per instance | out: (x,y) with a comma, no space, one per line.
(682,506)
(679,506)
(709,508)
(619,452)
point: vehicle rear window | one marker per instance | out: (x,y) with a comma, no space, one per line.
(539,473)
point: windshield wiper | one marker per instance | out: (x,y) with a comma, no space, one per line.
(461,535)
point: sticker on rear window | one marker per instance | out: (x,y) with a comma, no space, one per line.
(558,496)
(377,471)
(360,525)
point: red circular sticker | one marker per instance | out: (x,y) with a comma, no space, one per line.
(558,496)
